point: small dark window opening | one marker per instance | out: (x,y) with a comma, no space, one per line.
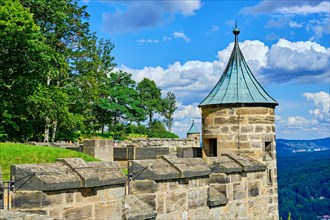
(213,147)
(268,151)
(270,180)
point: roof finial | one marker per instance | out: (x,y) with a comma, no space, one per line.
(236,30)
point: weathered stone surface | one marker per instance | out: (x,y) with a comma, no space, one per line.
(30,199)
(67,173)
(108,210)
(44,177)
(86,173)
(136,209)
(78,212)
(217,195)
(246,129)
(101,149)
(176,201)
(123,153)
(223,164)
(253,191)
(247,163)
(188,167)
(142,153)
(143,186)
(108,173)
(199,213)
(219,178)
(239,191)
(16,215)
(184,152)
(152,169)
(197,198)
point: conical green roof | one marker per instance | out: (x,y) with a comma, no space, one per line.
(237,84)
(193,129)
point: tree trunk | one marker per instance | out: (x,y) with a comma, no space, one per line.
(54,128)
(150,120)
(46,137)
(47,120)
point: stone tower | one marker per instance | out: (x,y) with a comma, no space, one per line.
(193,133)
(238,116)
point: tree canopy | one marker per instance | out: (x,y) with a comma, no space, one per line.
(57,79)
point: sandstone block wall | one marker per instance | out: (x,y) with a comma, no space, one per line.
(228,187)
(241,130)
(139,149)
(70,189)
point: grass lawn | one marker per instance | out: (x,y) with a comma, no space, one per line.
(27,154)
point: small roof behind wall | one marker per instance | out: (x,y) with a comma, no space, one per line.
(193,129)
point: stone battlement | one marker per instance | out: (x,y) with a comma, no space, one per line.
(231,186)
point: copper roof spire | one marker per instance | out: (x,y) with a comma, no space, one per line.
(237,84)
(193,129)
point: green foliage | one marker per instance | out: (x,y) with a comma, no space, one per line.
(304,183)
(58,79)
(150,96)
(29,154)
(24,57)
(168,109)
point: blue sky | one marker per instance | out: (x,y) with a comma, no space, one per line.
(183,45)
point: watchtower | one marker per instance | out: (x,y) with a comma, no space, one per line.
(193,133)
(238,114)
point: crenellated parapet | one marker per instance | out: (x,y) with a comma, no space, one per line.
(230,186)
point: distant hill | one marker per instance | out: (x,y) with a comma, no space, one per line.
(293,146)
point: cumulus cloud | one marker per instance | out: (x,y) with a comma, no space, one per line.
(321,101)
(317,11)
(184,111)
(180,35)
(287,61)
(137,15)
(288,7)
(300,122)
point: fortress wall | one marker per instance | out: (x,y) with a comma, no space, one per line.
(169,187)
(70,189)
(139,149)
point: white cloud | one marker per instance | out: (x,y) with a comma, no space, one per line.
(180,35)
(317,27)
(305,9)
(321,101)
(187,111)
(300,122)
(300,60)
(147,41)
(301,7)
(300,128)
(137,15)
(316,14)
(294,24)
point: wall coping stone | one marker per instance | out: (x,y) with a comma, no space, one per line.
(247,163)
(188,167)
(168,167)
(68,173)
(223,164)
